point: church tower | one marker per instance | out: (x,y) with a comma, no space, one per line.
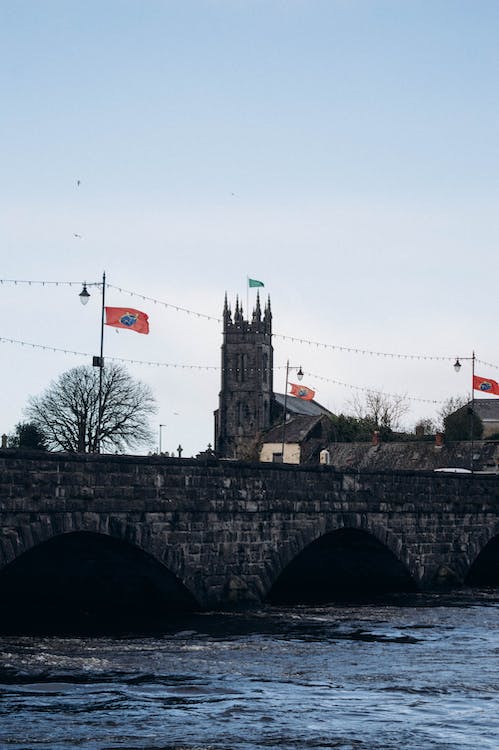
(247,381)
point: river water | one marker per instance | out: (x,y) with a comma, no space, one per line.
(417,673)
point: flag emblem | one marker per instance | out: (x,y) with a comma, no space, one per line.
(301,391)
(127,317)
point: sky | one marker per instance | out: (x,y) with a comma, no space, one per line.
(343,152)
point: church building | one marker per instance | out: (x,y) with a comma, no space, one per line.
(244,410)
(248,407)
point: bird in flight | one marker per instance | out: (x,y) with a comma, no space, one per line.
(78,183)
(79,236)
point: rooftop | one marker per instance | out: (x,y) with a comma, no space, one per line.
(296,405)
(297,429)
(487,409)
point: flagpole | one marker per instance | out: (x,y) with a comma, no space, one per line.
(247,297)
(101,364)
(299,375)
(472,406)
(285,406)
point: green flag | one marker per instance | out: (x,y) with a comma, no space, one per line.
(255,282)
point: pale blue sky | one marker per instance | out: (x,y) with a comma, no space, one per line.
(343,152)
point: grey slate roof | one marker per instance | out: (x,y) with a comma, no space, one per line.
(487,409)
(296,405)
(297,429)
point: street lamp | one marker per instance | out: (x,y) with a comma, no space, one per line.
(457,367)
(84,294)
(97,361)
(299,375)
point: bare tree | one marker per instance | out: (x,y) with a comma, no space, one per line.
(380,410)
(67,413)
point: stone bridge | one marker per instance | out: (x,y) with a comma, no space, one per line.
(218,533)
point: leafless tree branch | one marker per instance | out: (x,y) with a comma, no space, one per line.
(67,412)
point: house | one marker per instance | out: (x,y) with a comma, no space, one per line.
(487,409)
(301,437)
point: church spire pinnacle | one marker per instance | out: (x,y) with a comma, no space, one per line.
(227,316)
(257,312)
(238,315)
(267,317)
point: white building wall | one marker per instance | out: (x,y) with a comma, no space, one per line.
(292,452)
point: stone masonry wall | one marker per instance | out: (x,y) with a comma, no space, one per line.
(227,529)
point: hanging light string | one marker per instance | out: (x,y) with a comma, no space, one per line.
(35,282)
(366,352)
(314,376)
(373,390)
(177,308)
(142,297)
(113,359)
(206,368)
(487,364)
(284,337)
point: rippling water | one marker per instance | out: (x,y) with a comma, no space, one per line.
(421,673)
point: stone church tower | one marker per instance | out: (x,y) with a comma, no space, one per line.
(246,393)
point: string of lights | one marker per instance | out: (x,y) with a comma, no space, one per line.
(111,358)
(367,352)
(177,308)
(486,364)
(363,389)
(284,337)
(373,390)
(142,297)
(149,363)
(38,282)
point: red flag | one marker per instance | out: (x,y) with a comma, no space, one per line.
(127,317)
(301,391)
(485,385)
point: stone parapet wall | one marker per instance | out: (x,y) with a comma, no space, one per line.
(227,529)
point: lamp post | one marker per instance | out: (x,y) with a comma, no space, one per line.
(160,428)
(457,367)
(299,375)
(97,361)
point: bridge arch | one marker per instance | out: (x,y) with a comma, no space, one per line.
(94,578)
(481,565)
(341,543)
